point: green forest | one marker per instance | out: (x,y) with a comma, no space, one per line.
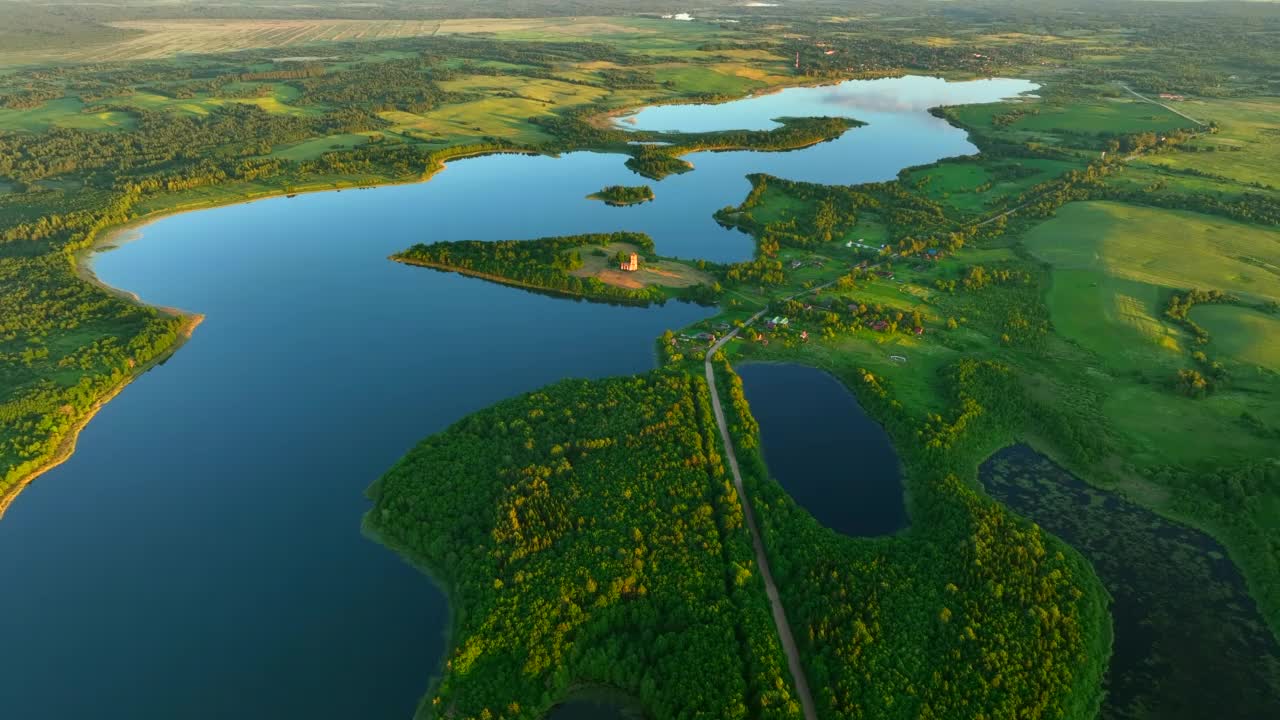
(975,612)
(1097,281)
(619,195)
(589,536)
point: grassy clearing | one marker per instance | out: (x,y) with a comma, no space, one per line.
(1118,319)
(63,113)
(277,102)
(534,90)
(1105,116)
(973,186)
(497,117)
(706,80)
(1243,334)
(1247,147)
(598,262)
(1160,427)
(314,148)
(1165,248)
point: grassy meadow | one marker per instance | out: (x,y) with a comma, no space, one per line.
(1247,335)
(1246,149)
(1163,248)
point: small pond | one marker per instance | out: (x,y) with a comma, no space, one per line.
(1190,643)
(836,462)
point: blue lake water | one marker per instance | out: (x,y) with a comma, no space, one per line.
(833,460)
(200,555)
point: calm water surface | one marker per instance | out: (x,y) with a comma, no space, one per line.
(836,462)
(200,556)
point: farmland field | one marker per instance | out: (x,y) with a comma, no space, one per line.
(158,39)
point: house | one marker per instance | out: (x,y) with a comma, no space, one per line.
(880,326)
(804,335)
(919,331)
(632,264)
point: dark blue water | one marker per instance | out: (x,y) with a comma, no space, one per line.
(833,460)
(200,556)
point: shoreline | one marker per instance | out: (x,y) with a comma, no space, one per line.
(66,447)
(520,284)
(107,236)
(113,236)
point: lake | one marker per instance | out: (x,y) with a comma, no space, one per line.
(831,458)
(200,556)
(1189,640)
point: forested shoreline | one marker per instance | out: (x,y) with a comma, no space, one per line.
(569,571)
(936,311)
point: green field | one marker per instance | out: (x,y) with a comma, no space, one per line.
(1246,149)
(703,80)
(1103,116)
(1119,319)
(311,149)
(1164,248)
(1244,334)
(972,186)
(63,113)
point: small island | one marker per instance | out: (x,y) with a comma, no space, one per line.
(619,267)
(660,157)
(622,195)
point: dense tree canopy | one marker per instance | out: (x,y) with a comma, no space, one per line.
(589,535)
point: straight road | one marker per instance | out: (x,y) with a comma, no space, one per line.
(762,561)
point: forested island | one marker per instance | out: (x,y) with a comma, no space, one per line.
(660,156)
(622,195)
(574,265)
